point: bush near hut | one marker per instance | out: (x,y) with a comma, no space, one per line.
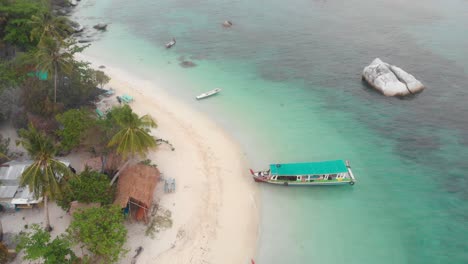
(74,125)
(88,187)
(102,232)
(37,245)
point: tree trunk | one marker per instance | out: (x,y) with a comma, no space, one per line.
(47,226)
(1,232)
(103,162)
(118,173)
(55,83)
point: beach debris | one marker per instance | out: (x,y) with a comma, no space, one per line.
(85,40)
(390,80)
(100,26)
(187,64)
(227,24)
(180,234)
(148,162)
(169,185)
(138,251)
(159,141)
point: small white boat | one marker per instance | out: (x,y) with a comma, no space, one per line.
(171,43)
(209,93)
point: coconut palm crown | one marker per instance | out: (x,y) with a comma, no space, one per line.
(134,135)
(44,174)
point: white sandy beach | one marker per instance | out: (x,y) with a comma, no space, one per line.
(215,207)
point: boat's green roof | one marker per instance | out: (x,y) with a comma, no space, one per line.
(322,167)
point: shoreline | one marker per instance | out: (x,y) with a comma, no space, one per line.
(215,209)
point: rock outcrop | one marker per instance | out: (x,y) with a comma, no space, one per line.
(390,80)
(100,26)
(227,24)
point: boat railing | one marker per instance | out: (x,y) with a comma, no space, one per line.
(350,171)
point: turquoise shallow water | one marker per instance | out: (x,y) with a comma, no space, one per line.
(290,73)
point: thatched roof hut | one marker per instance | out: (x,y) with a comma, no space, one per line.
(136,186)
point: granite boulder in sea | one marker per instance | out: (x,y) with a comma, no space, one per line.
(390,80)
(100,26)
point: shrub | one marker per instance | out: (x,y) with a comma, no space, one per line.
(74,124)
(37,245)
(101,231)
(88,187)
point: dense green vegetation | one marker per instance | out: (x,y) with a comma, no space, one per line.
(37,245)
(88,187)
(75,123)
(34,42)
(133,136)
(49,96)
(16,25)
(101,231)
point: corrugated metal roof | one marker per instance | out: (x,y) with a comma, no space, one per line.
(10,174)
(7,192)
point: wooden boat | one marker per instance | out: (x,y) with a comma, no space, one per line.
(333,172)
(170,43)
(209,93)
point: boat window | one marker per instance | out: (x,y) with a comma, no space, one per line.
(286,178)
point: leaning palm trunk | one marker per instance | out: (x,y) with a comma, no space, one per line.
(118,173)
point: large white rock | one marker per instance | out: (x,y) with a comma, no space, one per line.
(390,80)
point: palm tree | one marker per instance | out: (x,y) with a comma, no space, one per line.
(43,176)
(134,134)
(52,55)
(45,25)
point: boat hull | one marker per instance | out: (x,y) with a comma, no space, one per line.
(338,173)
(299,183)
(208,94)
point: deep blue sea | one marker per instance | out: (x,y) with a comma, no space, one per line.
(292,92)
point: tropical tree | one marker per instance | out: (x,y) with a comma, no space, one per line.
(38,245)
(102,231)
(45,25)
(133,136)
(52,56)
(88,187)
(43,176)
(75,123)
(101,78)
(15,18)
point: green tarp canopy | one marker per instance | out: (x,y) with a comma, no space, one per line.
(42,75)
(309,168)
